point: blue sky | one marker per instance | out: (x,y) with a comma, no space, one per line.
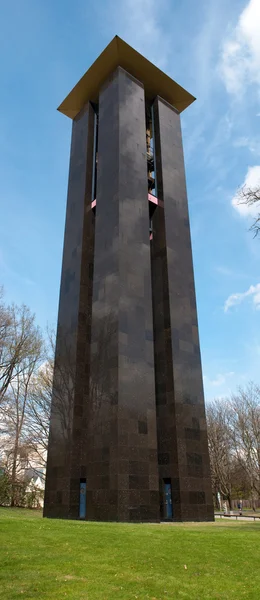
(212,48)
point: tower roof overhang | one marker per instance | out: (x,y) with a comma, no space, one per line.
(119,53)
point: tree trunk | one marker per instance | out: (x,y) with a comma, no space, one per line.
(13,475)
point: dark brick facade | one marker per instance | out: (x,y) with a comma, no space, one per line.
(181,424)
(71,373)
(128,409)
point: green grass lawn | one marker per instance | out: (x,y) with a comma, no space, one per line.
(52,559)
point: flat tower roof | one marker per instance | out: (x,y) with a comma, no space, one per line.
(119,53)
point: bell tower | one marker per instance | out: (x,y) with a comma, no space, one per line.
(128,439)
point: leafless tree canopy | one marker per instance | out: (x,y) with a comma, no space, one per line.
(19,343)
(38,417)
(250,197)
(234,444)
(220,449)
(22,352)
(244,408)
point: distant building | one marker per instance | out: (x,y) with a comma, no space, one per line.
(37,484)
(30,468)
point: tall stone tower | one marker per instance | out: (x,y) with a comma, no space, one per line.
(128,439)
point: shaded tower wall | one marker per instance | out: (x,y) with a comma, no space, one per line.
(72,358)
(181,425)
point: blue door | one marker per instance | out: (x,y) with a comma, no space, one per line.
(168,500)
(82,499)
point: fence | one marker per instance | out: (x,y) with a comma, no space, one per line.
(232,516)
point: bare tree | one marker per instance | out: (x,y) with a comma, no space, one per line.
(220,449)
(244,424)
(5,329)
(234,444)
(38,417)
(17,343)
(16,396)
(251,197)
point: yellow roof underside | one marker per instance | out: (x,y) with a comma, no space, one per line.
(118,53)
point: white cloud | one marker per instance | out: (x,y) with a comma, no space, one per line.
(234,299)
(252,181)
(240,59)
